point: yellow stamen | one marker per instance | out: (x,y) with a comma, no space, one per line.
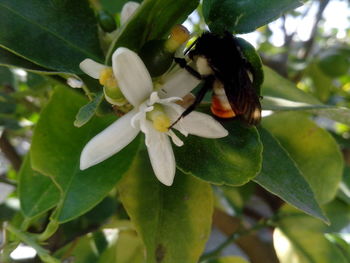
(160,120)
(161,123)
(107,78)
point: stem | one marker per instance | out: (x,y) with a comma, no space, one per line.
(43,253)
(257,250)
(4,180)
(216,252)
(10,152)
(49,231)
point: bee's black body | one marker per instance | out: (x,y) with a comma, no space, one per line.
(230,69)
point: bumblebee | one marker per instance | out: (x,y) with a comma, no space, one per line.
(224,69)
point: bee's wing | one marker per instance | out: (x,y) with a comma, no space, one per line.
(242,96)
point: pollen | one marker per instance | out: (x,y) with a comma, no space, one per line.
(159,119)
(161,123)
(107,78)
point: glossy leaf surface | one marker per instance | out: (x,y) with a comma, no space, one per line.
(232,160)
(244,16)
(56,35)
(37,192)
(56,149)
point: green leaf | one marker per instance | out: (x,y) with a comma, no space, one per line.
(280,94)
(56,149)
(7,103)
(174,222)
(228,260)
(313,149)
(300,238)
(9,59)
(322,84)
(6,76)
(82,249)
(88,110)
(126,247)
(244,16)
(153,20)
(232,160)
(280,176)
(114,6)
(277,86)
(52,34)
(236,197)
(340,241)
(45,196)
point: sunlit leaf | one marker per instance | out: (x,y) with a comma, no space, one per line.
(300,238)
(174,222)
(312,148)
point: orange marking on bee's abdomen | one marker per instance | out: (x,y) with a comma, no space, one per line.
(220,106)
(219,109)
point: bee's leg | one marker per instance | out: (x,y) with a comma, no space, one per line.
(183,64)
(208,84)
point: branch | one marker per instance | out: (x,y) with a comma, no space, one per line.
(246,238)
(10,152)
(310,43)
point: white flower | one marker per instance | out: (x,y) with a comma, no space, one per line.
(129,8)
(151,114)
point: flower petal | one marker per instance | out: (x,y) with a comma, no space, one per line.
(91,68)
(132,76)
(178,84)
(108,142)
(127,11)
(202,125)
(161,156)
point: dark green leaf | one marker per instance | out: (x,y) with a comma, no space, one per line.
(9,59)
(37,193)
(233,160)
(115,6)
(312,148)
(56,149)
(153,20)
(174,222)
(6,76)
(53,34)
(7,104)
(88,110)
(244,16)
(280,176)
